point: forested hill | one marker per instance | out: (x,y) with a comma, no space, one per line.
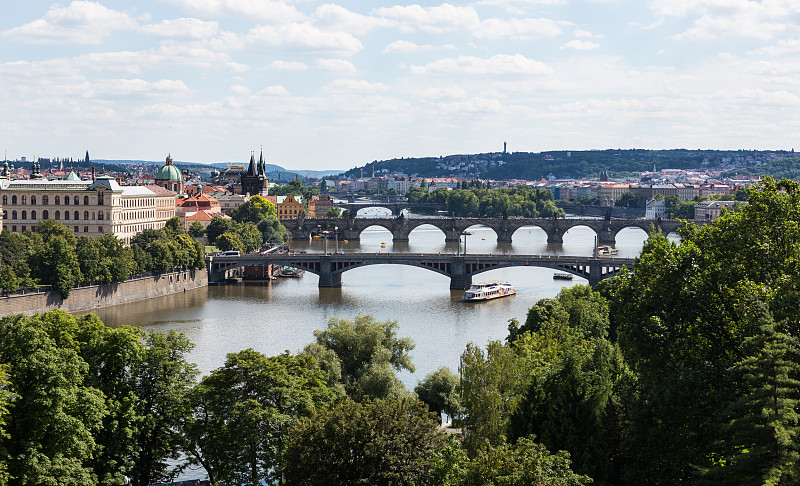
(562,164)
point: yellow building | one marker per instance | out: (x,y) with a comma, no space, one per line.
(90,208)
(288,207)
(319,206)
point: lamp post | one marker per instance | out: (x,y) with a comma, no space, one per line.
(465,234)
(336,235)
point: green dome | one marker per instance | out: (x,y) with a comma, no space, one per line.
(169,173)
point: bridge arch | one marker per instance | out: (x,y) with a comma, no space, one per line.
(535,231)
(425,227)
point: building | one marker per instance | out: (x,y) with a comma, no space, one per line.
(88,208)
(656,209)
(710,210)
(254,182)
(288,207)
(169,177)
(198,207)
(319,206)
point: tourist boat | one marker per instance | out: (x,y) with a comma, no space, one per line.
(562,276)
(606,251)
(291,272)
(494,289)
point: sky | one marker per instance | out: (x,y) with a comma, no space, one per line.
(319,85)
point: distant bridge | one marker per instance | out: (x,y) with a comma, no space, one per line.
(460,268)
(351,229)
(395,207)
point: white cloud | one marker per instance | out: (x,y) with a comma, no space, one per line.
(81,22)
(473,105)
(439,92)
(260,11)
(241,90)
(183,28)
(580,45)
(288,65)
(405,47)
(441,19)
(496,28)
(352,85)
(276,90)
(338,66)
(335,17)
(497,64)
(303,39)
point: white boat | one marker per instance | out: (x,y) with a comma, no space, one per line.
(606,251)
(493,289)
(562,276)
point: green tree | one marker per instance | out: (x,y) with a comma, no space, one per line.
(163,380)
(244,411)
(390,442)
(54,415)
(196,229)
(218,226)
(54,260)
(6,398)
(250,237)
(522,464)
(334,213)
(272,231)
(230,242)
(173,226)
(347,214)
(439,391)
(627,200)
(684,316)
(363,356)
(254,210)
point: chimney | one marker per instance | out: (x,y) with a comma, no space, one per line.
(93,178)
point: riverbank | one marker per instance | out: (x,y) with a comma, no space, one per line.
(99,296)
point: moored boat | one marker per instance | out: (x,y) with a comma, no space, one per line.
(562,276)
(606,251)
(493,289)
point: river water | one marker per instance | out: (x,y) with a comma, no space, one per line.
(283,314)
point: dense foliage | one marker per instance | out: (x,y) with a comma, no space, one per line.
(561,164)
(786,168)
(251,225)
(521,201)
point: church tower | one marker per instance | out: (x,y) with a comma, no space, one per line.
(254,181)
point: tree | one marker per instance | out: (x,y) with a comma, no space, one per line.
(363,356)
(218,226)
(173,226)
(685,316)
(439,391)
(272,231)
(390,442)
(53,417)
(250,237)
(244,411)
(230,242)
(627,200)
(254,210)
(53,257)
(347,214)
(6,398)
(196,229)
(523,464)
(163,380)
(334,213)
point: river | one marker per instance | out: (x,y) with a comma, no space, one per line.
(283,315)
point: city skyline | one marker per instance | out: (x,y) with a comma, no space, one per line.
(334,86)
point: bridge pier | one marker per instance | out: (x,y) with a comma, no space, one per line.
(328,279)
(606,237)
(459,280)
(555,236)
(595,273)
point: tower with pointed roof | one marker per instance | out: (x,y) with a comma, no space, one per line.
(254,181)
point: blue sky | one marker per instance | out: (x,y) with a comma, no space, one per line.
(336,85)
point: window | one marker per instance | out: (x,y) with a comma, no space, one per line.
(13,199)
(14,214)
(66,200)
(85,200)
(75,230)
(33,215)
(24,200)
(100,199)
(86,215)
(23,229)
(33,200)
(58,215)
(45,214)
(77,216)
(5,214)
(13,229)
(66,215)
(100,215)
(58,200)
(100,228)
(5,200)
(45,200)
(76,201)
(85,229)
(93,215)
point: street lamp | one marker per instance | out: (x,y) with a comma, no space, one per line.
(464,234)
(336,235)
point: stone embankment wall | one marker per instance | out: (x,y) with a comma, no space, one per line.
(95,296)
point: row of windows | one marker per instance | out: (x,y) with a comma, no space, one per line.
(46,200)
(138,203)
(57,215)
(76,229)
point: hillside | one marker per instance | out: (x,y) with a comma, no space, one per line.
(561,164)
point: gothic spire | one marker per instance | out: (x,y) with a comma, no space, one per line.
(261,165)
(251,169)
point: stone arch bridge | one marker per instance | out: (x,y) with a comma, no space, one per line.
(459,268)
(401,227)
